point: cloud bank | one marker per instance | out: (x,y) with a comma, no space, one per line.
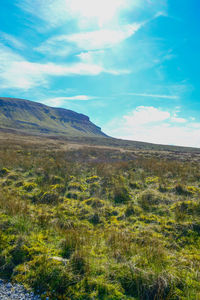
(155,125)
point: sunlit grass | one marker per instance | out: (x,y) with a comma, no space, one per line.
(79,229)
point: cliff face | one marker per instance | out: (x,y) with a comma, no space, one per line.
(33,117)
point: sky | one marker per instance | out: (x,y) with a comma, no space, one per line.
(132,66)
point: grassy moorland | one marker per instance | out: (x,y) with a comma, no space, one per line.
(100,223)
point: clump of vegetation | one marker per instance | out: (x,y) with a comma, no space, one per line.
(150,198)
(50,197)
(121,195)
(76,186)
(97,224)
(181,190)
(92,179)
(29,186)
(4,172)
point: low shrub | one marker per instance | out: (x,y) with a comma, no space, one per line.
(135,185)
(59,188)
(47,276)
(121,195)
(79,263)
(4,172)
(12,176)
(56,179)
(76,186)
(70,243)
(129,210)
(29,186)
(181,190)
(50,198)
(94,202)
(92,179)
(150,198)
(72,195)
(95,218)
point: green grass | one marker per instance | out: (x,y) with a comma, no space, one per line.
(77,228)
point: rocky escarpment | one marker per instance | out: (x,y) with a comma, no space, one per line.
(34,117)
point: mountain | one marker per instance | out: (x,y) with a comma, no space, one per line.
(36,118)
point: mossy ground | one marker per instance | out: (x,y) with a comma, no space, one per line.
(84,229)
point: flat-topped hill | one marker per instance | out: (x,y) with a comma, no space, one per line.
(34,117)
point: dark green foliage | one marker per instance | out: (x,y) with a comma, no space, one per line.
(72,195)
(130,211)
(149,198)
(135,185)
(29,186)
(4,172)
(121,195)
(95,202)
(79,263)
(46,275)
(95,219)
(70,243)
(19,253)
(180,190)
(49,198)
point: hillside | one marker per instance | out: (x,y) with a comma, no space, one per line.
(25,119)
(36,118)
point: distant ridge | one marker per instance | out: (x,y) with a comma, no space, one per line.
(36,118)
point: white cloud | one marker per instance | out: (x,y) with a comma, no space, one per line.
(178,120)
(195,125)
(12,70)
(101,12)
(86,13)
(151,124)
(144,115)
(91,13)
(93,25)
(155,96)
(103,59)
(78,97)
(192,118)
(10,40)
(58,101)
(17,72)
(84,41)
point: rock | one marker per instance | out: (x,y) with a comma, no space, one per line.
(10,291)
(9,285)
(58,258)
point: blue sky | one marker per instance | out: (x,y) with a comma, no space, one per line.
(132,66)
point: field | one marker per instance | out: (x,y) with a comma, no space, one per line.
(100,219)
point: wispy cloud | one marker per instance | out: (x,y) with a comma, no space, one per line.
(78,97)
(86,13)
(155,125)
(10,40)
(90,26)
(84,41)
(175,97)
(58,101)
(17,72)
(178,120)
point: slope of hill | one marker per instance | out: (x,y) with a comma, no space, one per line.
(37,118)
